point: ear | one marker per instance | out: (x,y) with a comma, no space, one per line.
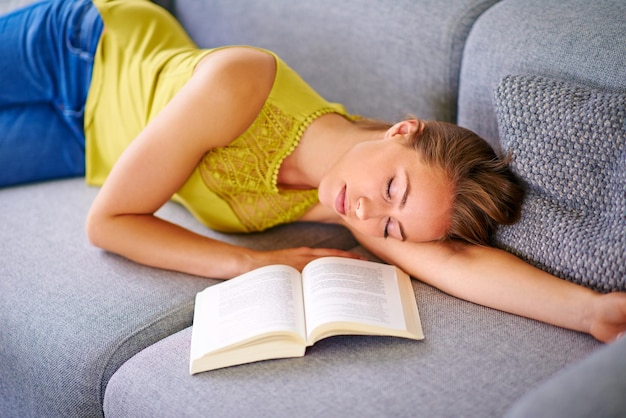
(406,128)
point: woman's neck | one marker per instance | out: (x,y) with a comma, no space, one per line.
(322,144)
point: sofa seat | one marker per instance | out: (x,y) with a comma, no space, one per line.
(474,359)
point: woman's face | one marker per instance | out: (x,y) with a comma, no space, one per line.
(382,188)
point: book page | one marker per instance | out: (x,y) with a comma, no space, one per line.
(263,301)
(347,290)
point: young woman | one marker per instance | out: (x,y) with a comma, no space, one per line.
(240,140)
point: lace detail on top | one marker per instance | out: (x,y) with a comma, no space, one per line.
(245,173)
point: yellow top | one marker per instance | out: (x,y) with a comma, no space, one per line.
(145,57)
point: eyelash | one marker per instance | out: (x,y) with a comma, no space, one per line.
(388,188)
(388,195)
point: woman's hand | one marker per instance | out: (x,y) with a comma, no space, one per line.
(296,257)
(608,316)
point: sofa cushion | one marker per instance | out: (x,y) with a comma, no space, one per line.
(71,314)
(578,40)
(594,387)
(474,362)
(569,147)
(381,60)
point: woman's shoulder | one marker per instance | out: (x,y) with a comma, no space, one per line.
(248,67)
(232,85)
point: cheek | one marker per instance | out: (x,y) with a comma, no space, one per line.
(356,171)
(323,192)
(329,186)
(366,228)
(332,182)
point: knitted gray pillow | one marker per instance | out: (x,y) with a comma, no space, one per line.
(569,147)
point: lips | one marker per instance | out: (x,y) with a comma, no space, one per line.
(340,201)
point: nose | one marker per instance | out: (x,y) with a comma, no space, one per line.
(365,209)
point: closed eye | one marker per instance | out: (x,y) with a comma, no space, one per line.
(400,230)
(386,230)
(388,196)
(388,188)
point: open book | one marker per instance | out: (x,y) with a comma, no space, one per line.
(275,312)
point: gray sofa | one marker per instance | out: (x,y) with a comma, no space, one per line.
(84,333)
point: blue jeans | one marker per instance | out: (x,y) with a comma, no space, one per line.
(47,51)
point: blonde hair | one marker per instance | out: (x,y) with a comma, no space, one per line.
(485,191)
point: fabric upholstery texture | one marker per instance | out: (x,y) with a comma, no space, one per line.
(9,5)
(569,147)
(72,314)
(474,362)
(594,387)
(561,39)
(360,54)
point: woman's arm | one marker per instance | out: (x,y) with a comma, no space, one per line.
(218,103)
(499,280)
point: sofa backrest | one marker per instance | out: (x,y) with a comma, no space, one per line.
(545,80)
(577,41)
(382,59)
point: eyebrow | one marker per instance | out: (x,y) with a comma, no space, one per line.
(405,196)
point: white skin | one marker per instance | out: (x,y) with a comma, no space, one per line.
(220,101)
(406,200)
